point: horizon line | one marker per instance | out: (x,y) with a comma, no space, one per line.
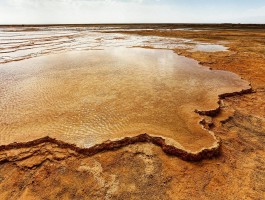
(137,23)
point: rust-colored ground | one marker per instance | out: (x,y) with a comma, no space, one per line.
(144,171)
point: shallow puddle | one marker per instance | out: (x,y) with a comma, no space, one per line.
(88,97)
(209,48)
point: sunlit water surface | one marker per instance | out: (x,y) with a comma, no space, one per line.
(89,96)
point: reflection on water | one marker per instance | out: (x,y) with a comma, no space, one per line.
(23,43)
(87,97)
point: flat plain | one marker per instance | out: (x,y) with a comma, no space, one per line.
(125,106)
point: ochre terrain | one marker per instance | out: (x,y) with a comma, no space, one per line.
(143,171)
(94,96)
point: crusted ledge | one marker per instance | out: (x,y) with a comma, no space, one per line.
(110,145)
(216,111)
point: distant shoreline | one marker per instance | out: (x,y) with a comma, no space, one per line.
(148,25)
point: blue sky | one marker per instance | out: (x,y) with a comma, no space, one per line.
(131,11)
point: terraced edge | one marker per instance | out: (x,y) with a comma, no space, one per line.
(111,145)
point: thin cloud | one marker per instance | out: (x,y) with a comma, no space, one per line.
(129,11)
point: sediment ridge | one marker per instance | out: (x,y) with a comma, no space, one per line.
(215,112)
(111,145)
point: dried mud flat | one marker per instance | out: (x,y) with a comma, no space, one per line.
(52,170)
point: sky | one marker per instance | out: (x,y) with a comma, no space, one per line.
(131,11)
